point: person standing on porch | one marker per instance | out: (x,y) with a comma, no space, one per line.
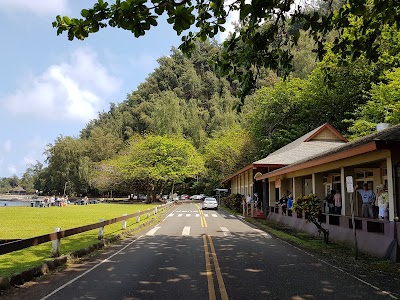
(383,202)
(248,203)
(368,199)
(338,203)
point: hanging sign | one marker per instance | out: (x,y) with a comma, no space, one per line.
(349,184)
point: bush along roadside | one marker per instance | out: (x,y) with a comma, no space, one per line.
(54,265)
(233,202)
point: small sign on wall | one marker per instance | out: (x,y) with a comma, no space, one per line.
(350,184)
(277,183)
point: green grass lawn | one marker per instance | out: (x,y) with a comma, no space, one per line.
(26,222)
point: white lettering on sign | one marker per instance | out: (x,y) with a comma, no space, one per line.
(349,184)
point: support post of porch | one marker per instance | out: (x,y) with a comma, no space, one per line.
(297,187)
(343,189)
(265,201)
(389,167)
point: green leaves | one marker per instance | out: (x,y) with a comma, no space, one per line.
(261,41)
(85,13)
(309,204)
(157,158)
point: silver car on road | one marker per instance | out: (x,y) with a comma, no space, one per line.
(209,203)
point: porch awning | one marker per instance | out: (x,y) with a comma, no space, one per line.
(379,140)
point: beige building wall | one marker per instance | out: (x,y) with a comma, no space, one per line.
(343,168)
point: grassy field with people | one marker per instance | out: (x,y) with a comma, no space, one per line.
(26,222)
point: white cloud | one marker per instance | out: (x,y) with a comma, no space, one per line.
(36,148)
(75,90)
(42,7)
(7,146)
(12,169)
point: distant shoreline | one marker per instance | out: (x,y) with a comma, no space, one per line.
(19,198)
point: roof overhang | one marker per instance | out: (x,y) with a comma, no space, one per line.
(248,167)
(371,146)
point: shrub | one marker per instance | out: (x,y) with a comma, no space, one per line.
(233,201)
(310,205)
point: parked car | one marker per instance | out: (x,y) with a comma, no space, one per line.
(209,203)
(196,197)
(184,197)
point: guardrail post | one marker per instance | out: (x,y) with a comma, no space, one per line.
(55,251)
(101,231)
(138,217)
(124,222)
(155,211)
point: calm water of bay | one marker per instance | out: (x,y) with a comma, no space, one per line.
(13,203)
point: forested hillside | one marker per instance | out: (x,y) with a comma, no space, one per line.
(181,130)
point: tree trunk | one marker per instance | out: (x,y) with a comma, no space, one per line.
(320,229)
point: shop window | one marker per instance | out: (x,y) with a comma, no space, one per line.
(369,174)
(336,183)
(360,175)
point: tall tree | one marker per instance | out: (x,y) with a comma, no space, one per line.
(262,38)
(271,115)
(67,164)
(155,160)
(383,106)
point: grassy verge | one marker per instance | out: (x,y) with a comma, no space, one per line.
(24,222)
(340,255)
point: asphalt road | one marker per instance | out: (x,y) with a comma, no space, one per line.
(195,254)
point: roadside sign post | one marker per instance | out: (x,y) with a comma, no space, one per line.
(350,190)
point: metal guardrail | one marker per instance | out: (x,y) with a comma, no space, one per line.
(37,240)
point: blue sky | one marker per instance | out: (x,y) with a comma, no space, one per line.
(51,86)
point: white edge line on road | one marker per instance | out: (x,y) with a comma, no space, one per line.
(102,262)
(333,266)
(168,215)
(343,271)
(153,231)
(90,270)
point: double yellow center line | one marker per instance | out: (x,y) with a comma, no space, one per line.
(211,256)
(202,218)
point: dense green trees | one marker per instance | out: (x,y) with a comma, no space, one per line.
(187,101)
(152,162)
(382,107)
(263,40)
